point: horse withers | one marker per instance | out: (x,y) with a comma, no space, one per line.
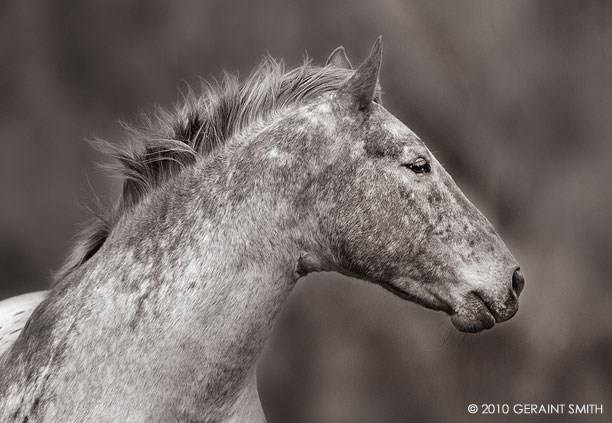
(168,299)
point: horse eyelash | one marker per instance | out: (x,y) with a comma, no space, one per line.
(419,166)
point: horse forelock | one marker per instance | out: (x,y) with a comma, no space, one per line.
(172,140)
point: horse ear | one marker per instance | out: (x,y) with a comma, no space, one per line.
(338,59)
(361,87)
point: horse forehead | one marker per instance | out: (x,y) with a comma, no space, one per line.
(396,128)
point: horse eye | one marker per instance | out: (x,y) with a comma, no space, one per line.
(419,166)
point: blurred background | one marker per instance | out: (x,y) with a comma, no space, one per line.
(514,98)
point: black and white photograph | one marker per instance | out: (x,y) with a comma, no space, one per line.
(314,211)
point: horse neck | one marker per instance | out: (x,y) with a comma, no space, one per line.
(207,263)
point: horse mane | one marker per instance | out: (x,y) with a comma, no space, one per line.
(172,140)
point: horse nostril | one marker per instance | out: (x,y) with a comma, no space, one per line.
(518,281)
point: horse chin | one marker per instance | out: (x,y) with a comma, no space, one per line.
(473,322)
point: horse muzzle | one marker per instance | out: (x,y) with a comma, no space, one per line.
(480,309)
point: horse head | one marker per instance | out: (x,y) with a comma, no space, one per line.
(392,215)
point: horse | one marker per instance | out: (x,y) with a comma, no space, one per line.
(167,300)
